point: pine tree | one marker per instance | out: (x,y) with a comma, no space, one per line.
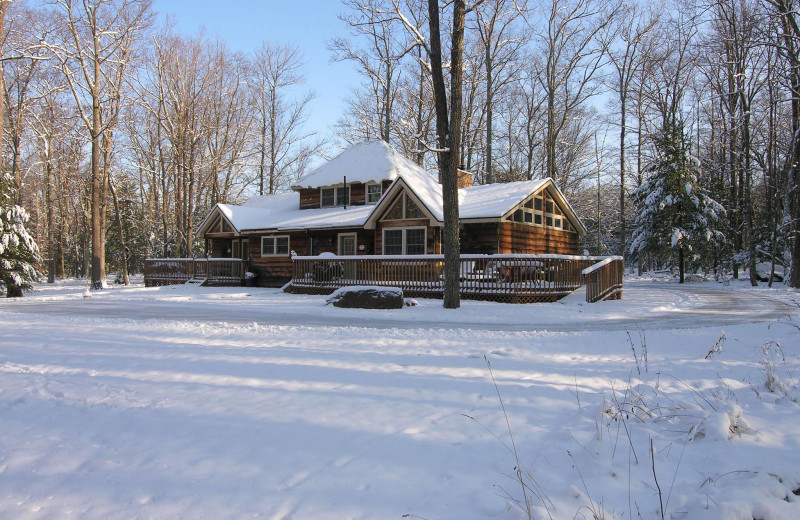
(18,251)
(675,216)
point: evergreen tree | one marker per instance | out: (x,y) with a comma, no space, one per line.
(18,251)
(676,217)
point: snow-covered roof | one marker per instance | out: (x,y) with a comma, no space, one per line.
(427,190)
(282,212)
(370,161)
(495,200)
(319,218)
(373,161)
(257,211)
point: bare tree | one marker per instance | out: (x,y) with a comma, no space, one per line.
(229,121)
(626,59)
(448,125)
(502,43)
(379,61)
(284,149)
(574,41)
(21,66)
(789,43)
(91,53)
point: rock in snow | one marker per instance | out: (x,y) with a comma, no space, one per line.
(367,297)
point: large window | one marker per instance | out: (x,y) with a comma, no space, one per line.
(415,241)
(331,197)
(537,211)
(404,241)
(275,246)
(393,241)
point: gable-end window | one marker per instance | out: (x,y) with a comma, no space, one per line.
(373,193)
(403,208)
(331,197)
(529,212)
(396,211)
(275,246)
(412,211)
(555,217)
(404,241)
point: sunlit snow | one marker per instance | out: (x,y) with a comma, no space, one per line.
(187,402)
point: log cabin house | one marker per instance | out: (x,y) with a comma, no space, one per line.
(371,200)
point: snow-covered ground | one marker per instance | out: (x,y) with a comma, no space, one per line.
(186,402)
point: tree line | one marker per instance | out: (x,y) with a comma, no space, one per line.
(673,129)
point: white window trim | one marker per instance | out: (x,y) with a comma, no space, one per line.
(335,189)
(339,243)
(557,213)
(274,239)
(405,242)
(366,193)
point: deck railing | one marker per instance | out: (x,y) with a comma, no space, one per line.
(603,280)
(504,278)
(215,271)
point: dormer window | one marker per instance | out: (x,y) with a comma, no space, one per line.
(332,197)
(373,193)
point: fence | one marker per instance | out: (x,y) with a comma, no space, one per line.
(503,278)
(604,279)
(212,271)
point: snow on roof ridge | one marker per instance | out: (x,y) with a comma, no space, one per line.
(368,161)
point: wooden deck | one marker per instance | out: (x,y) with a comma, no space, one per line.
(502,278)
(203,271)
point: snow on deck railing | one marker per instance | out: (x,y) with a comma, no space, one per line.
(167,271)
(603,280)
(503,277)
(462,257)
(600,264)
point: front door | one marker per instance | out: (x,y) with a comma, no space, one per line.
(347,244)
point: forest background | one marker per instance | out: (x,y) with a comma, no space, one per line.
(673,129)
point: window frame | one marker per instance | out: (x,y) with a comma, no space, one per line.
(367,193)
(336,196)
(274,239)
(404,240)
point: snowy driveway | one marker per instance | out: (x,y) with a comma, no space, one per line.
(645,305)
(183,402)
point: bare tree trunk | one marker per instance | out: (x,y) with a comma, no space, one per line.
(123,243)
(448,130)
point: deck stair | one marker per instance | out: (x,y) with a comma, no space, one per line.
(197,280)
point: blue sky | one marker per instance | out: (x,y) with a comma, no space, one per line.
(307,24)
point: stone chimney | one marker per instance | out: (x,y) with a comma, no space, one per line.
(464,179)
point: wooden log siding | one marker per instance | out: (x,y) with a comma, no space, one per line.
(516,238)
(603,280)
(311,197)
(502,278)
(173,271)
